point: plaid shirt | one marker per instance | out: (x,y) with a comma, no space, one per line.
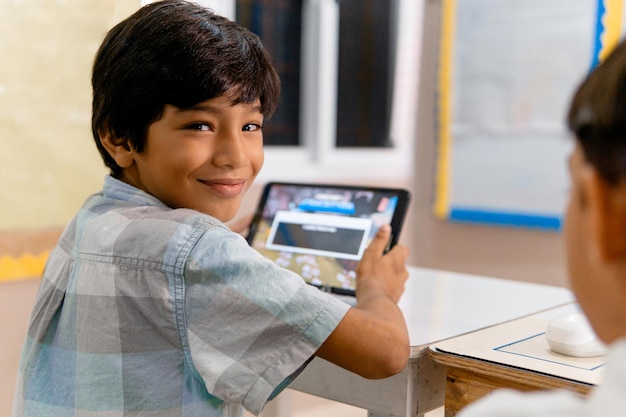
(148,311)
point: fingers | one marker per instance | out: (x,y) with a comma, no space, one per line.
(400,252)
(381,239)
(380,243)
(380,271)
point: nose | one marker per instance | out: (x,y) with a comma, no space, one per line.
(229,150)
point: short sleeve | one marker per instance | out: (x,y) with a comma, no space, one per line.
(250,323)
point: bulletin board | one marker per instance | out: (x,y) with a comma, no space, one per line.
(507,71)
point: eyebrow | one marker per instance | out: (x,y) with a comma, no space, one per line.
(215,109)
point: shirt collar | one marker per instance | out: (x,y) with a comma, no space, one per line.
(119,190)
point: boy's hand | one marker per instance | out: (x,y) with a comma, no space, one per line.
(379,272)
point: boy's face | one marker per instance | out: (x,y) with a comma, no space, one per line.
(594,234)
(204,158)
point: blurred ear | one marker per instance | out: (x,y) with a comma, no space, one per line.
(119,150)
(607,211)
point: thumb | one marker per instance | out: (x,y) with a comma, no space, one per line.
(380,241)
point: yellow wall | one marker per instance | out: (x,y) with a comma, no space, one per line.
(48,162)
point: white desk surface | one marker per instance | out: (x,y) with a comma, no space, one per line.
(437,305)
(522,344)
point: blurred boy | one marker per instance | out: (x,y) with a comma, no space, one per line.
(149,305)
(595,235)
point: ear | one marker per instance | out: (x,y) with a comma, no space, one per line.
(120,150)
(607,210)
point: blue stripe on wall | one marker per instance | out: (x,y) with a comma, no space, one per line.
(597,46)
(540,221)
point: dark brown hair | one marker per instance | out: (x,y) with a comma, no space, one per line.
(597,116)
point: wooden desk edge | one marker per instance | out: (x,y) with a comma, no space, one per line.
(534,380)
(469,379)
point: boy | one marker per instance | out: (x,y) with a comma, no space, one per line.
(149,305)
(595,235)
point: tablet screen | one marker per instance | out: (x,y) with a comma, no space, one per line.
(320,231)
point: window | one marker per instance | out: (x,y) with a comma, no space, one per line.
(365,72)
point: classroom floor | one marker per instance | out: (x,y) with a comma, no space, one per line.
(304,405)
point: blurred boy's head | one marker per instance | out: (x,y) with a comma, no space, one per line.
(177,53)
(595,227)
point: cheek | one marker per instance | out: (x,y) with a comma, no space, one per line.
(256,156)
(575,247)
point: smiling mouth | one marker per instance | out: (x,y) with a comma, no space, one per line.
(226,188)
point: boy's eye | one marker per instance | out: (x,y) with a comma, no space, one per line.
(251,127)
(199,126)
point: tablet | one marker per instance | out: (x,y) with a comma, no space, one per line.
(320,231)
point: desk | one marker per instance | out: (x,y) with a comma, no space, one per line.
(437,305)
(511,355)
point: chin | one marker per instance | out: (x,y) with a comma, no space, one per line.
(226,219)
(221,215)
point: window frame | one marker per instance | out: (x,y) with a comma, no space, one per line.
(318,158)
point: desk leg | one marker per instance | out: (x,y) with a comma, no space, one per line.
(418,389)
